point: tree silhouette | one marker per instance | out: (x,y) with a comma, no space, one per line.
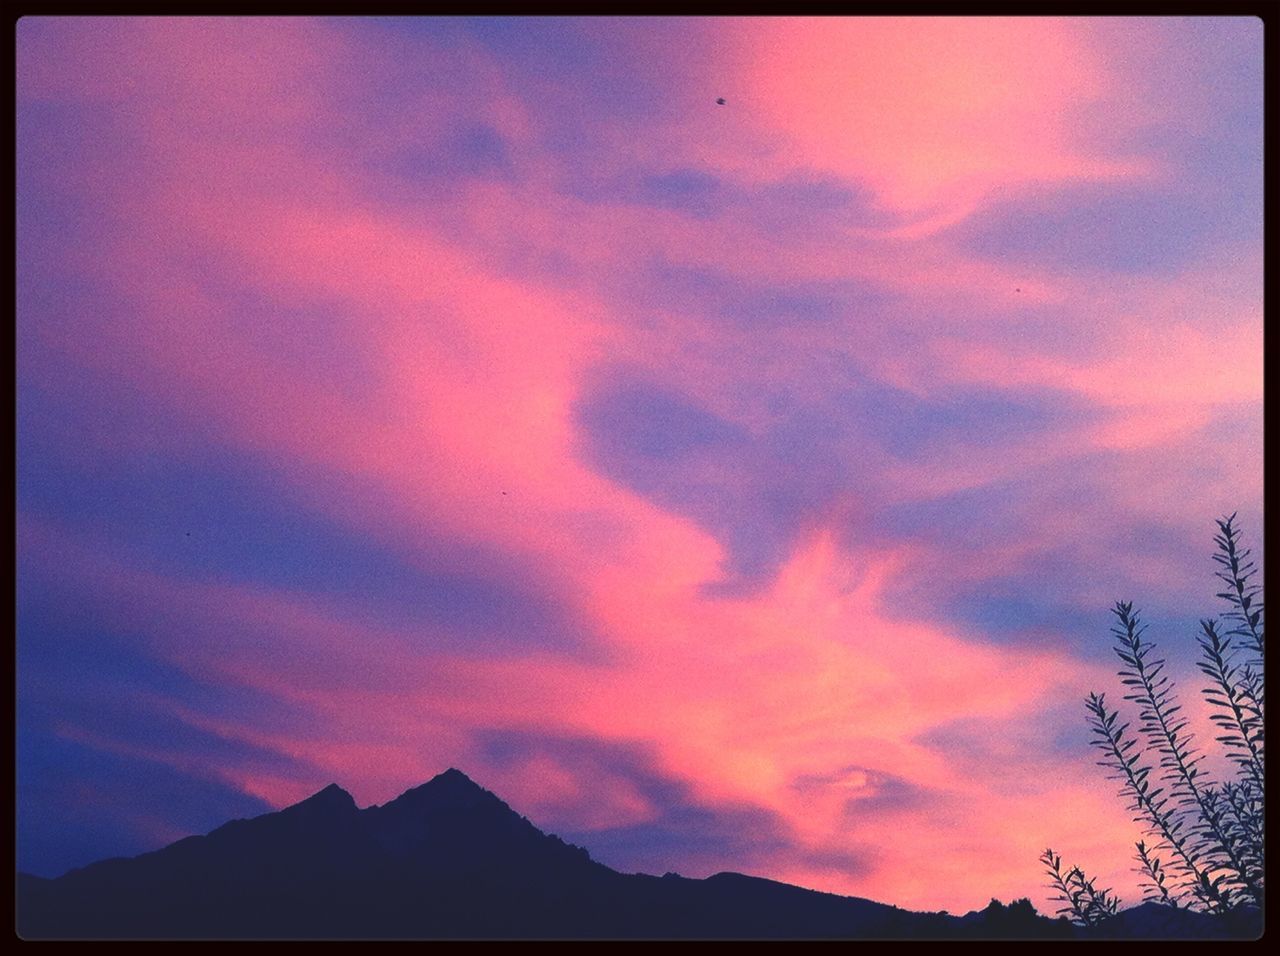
(1209,833)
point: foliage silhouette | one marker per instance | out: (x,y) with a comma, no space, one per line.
(1084,903)
(1210,834)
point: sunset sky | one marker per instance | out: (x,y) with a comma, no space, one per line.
(727,487)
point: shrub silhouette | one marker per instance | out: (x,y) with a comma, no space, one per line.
(1208,849)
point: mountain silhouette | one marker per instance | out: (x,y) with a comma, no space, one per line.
(449,859)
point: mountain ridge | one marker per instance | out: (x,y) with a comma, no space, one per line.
(450,859)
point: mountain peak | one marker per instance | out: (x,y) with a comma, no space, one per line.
(454,777)
(332,796)
(453,788)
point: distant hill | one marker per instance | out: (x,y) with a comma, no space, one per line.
(449,859)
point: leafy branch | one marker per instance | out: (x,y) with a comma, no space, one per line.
(1084,903)
(1211,833)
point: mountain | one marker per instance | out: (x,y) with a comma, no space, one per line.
(449,859)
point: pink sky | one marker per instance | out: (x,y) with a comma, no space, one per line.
(726,487)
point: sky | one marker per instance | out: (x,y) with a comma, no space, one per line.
(735,486)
